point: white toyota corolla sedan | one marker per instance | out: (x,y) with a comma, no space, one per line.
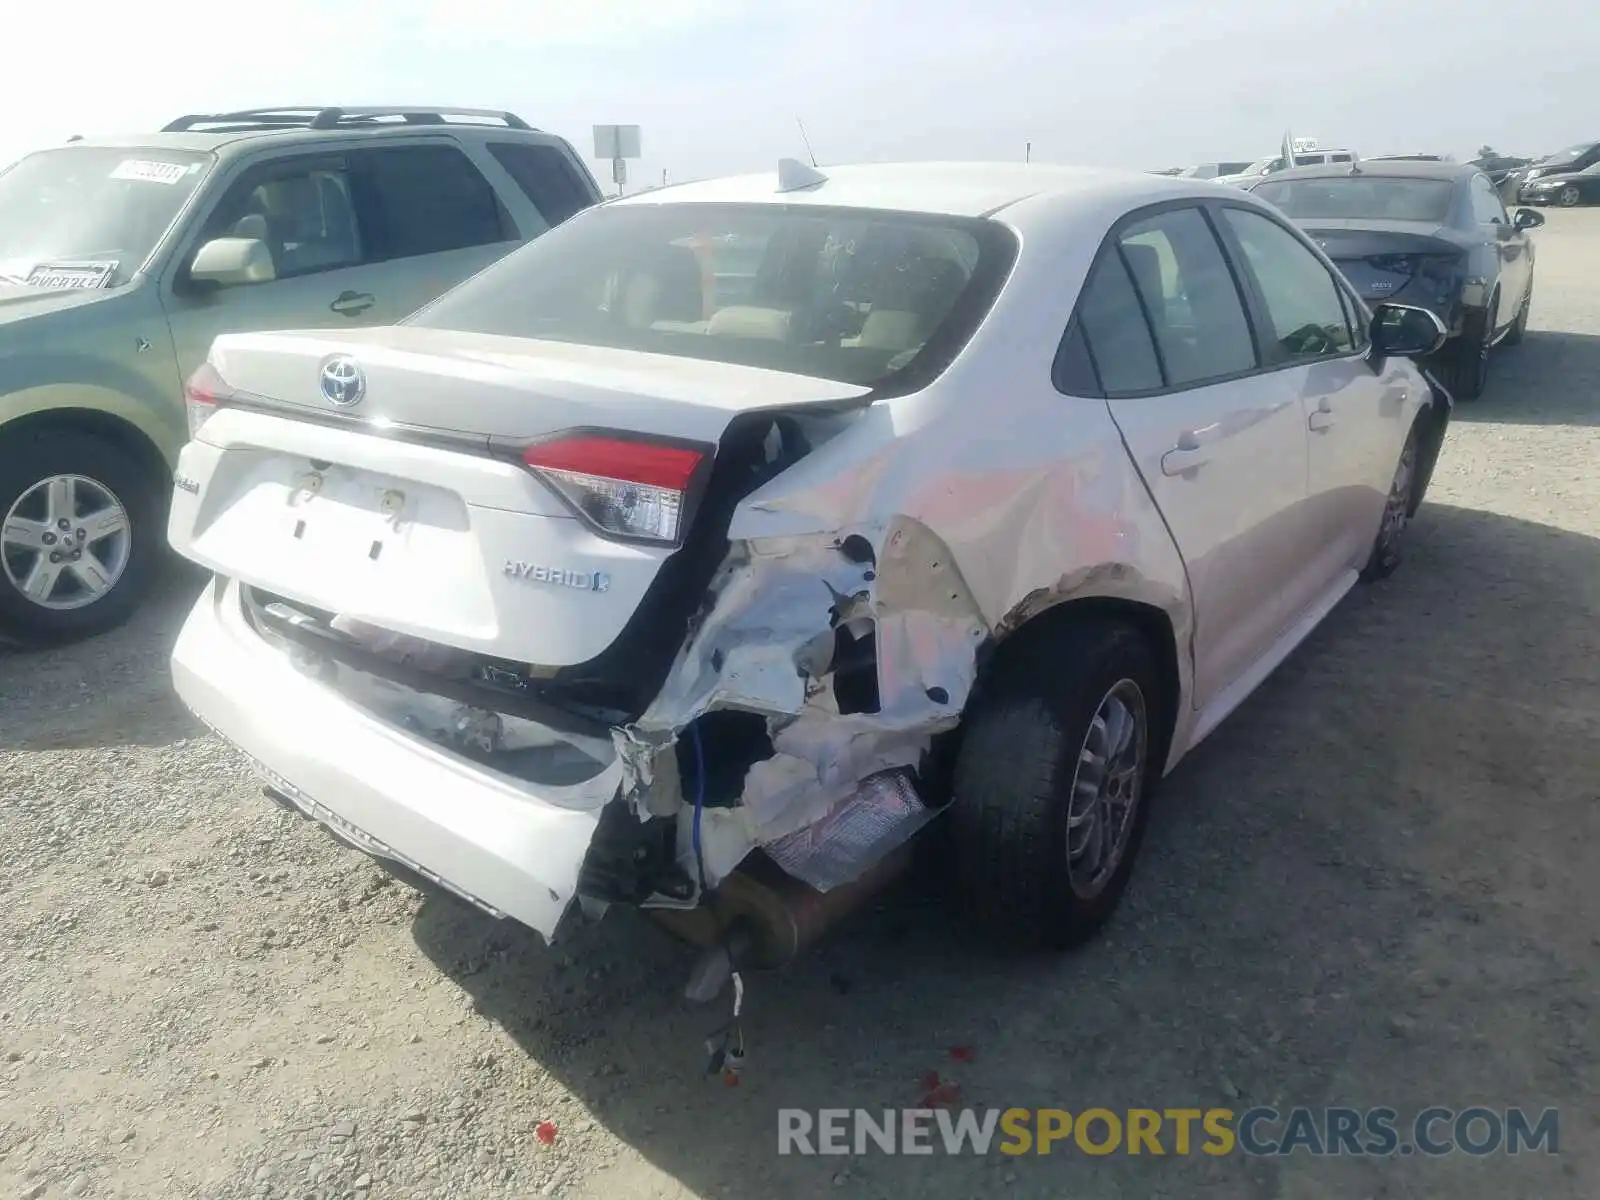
(699,554)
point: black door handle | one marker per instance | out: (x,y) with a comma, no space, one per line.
(352,304)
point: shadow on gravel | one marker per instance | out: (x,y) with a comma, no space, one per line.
(1553,378)
(1372,886)
(113,690)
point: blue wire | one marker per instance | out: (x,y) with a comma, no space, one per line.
(699,796)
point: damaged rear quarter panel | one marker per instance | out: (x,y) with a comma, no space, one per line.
(985,500)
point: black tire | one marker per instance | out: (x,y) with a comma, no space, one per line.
(1388,546)
(1463,365)
(31,458)
(1569,197)
(1015,774)
(1519,327)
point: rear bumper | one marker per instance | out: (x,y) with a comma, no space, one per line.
(509,848)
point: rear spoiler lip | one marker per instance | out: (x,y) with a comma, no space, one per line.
(1365,243)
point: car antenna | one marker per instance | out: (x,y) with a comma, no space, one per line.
(810,153)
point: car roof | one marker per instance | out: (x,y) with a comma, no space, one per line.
(1391,169)
(955,189)
(218,141)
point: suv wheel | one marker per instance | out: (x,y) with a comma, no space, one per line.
(79,536)
(1051,784)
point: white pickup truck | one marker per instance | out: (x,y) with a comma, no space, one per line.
(1306,154)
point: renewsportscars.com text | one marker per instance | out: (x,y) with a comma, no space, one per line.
(1371,1132)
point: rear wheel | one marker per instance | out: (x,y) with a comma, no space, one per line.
(79,536)
(1051,784)
(1463,364)
(1568,197)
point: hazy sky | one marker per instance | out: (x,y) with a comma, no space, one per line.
(717,84)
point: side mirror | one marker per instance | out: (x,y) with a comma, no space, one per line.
(1405,331)
(233,261)
(1528,218)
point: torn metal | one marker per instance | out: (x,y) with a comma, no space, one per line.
(854,650)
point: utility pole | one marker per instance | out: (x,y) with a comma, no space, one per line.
(1027,155)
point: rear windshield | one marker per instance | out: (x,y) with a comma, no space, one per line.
(862,296)
(1360,197)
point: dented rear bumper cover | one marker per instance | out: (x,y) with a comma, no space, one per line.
(511,848)
(851,652)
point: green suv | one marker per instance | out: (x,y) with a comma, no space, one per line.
(122,258)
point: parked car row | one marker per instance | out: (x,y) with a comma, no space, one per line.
(1567,178)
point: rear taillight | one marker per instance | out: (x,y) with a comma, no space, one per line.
(625,487)
(1399,264)
(204,390)
(1440,268)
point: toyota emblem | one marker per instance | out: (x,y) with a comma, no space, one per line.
(343,382)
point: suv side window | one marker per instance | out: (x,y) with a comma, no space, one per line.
(425,200)
(301,208)
(1303,301)
(546,178)
(1190,297)
(1487,208)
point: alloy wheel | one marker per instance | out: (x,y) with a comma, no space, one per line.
(1569,196)
(66,541)
(1107,787)
(1397,509)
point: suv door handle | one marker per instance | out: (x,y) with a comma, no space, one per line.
(352,304)
(1323,419)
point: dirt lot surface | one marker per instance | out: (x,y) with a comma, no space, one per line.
(1375,885)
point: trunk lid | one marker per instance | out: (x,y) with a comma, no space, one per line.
(1382,259)
(512,388)
(410,510)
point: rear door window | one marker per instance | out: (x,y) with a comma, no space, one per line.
(1190,296)
(418,200)
(1486,206)
(547,178)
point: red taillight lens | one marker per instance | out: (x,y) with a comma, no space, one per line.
(626,487)
(205,389)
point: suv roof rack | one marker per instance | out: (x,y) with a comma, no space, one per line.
(312,117)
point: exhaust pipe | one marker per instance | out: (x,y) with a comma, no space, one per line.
(772,918)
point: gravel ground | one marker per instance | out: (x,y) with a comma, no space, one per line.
(1374,885)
